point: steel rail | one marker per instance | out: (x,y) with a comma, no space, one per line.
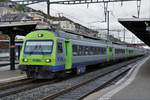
(59,93)
(8,85)
(29,86)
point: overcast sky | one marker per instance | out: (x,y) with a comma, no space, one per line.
(95,12)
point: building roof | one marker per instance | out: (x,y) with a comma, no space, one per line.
(77,24)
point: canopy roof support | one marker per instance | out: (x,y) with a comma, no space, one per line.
(12,29)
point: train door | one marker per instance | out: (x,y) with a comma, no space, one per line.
(113,53)
(108,53)
(68,55)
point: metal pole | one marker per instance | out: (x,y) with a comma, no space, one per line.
(105,9)
(48,7)
(118,35)
(124,35)
(12,51)
(107,25)
(19,52)
(138,7)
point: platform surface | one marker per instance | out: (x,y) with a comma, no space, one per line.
(139,89)
(11,75)
(134,86)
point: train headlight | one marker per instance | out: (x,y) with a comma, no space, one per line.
(48,60)
(40,35)
(25,60)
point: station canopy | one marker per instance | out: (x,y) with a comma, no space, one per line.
(17,28)
(138,26)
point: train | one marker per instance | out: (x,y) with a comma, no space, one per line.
(46,53)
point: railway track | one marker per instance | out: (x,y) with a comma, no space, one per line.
(81,90)
(67,88)
(21,85)
(14,83)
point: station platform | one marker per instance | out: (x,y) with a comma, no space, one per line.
(133,86)
(11,75)
(7,62)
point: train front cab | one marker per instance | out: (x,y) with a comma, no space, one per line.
(38,54)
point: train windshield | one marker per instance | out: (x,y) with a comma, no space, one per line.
(38,47)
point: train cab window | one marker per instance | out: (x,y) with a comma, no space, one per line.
(59,47)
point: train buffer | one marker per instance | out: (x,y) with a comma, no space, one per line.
(133,86)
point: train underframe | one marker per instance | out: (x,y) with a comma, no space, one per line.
(37,72)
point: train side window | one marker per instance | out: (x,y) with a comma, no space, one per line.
(97,50)
(86,50)
(94,50)
(82,50)
(116,51)
(104,50)
(101,50)
(59,47)
(90,51)
(79,50)
(110,49)
(75,50)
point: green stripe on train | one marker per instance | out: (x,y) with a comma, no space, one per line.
(113,53)
(68,55)
(108,53)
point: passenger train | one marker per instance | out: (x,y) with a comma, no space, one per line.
(47,53)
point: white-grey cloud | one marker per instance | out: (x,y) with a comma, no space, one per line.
(95,12)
